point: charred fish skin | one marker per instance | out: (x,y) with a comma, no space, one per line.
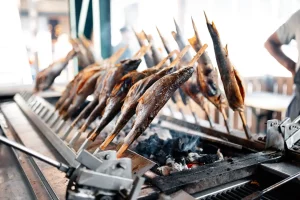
(116,99)
(110,80)
(207,75)
(91,106)
(64,95)
(234,89)
(153,100)
(131,102)
(81,95)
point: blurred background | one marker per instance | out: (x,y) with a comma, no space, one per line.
(243,25)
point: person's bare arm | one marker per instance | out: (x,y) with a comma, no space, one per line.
(273,45)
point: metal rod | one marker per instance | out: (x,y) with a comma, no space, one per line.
(50,116)
(74,139)
(35,154)
(245,126)
(66,134)
(257,195)
(41,110)
(281,183)
(54,121)
(84,145)
(60,125)
(45,112)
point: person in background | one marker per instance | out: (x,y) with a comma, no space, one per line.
(287,32)
(126,40)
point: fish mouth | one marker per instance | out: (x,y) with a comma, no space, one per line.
(133,64)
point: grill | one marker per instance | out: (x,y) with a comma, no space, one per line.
(246,156)
(237,193)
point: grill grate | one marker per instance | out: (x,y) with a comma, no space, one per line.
(237,193)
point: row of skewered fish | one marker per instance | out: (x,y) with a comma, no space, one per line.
(120,88)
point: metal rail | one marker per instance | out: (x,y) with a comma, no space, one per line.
(46,123)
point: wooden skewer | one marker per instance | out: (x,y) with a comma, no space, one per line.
(225,120)
(245,126)
(160,64)
(208,117)
(113,59)
(142,52)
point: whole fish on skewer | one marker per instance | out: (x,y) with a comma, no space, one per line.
(116,99)
(191,87)
(155,98)
(112,77)
(83,91)
(182,95)
(207,77)
(232,82)
(109,63)
(46,77)
(85,83)
(85,75)
(131,100)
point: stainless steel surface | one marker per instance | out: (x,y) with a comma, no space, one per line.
(35,154)
(272,187)
(292,139)
(139,164)
(220,189)
(282,169)
(67,153)
(88,160)
(13,183)
(53,180)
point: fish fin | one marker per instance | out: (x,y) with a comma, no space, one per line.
(196,33)
(240,83)
(213,25)
(176,26)
(226,50)
(193,41)
(206,18)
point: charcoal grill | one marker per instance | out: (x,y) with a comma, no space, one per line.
(25,120)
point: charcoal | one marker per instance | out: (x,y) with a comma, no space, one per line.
(176,150)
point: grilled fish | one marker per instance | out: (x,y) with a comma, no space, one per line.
(207,77)
(46,77)
(112,77)
(116,100)
(191,87)
(155,98)
(86,73)
(135,92)
(232,82)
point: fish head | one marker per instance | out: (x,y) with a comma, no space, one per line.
(187,71)
(130,64)
(184,74)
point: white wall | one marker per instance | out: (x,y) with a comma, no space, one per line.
(14,68)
